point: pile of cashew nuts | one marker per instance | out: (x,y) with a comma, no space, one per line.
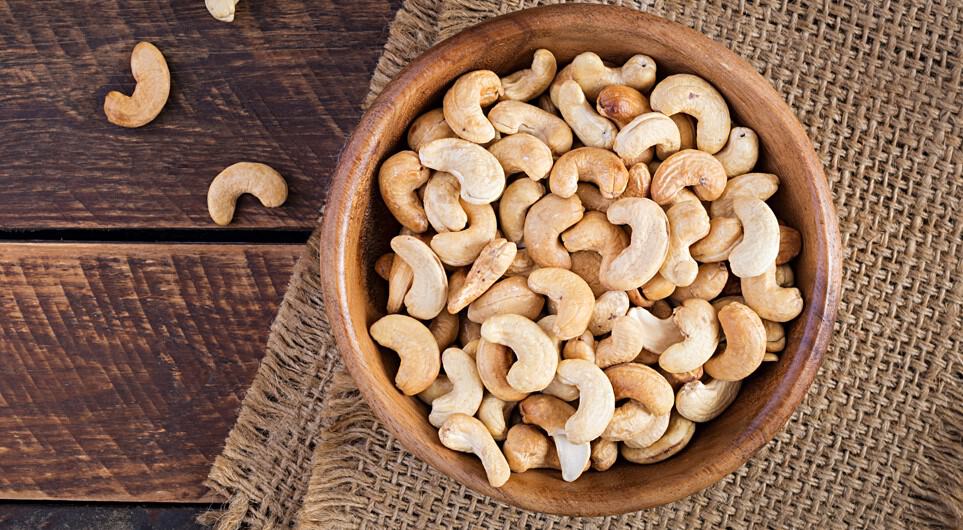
(587,265)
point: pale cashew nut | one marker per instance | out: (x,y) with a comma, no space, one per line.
(511,117)
(510,295)
(255,178)
(153,78)
(604,454)
(635,426)
(551,414)
(400,277)
(429,286)
(621,104)
(760,242)
(775,336)
(480,174)
(676,437)
(657,333)
(769,300)
(546,220)
(468,435)
(466,393)
(696,320)
(493,412)
(641,260)
(692,95)
(623,345)
(745,344)
(595,233)
(701,402)
(222,10)
(589,164)
(724,234)
(635,141)
(770,358)
(464,101)
(461,248)
(524,85)
(565,74)
(537,355)
(592,74)
(785,276)
(587,264)
(491,264)
(708,284)
(439,387)
(790,244)
(493,362)
(415,345)
(519,196)
(608,307)
(688,167)
(442,205)
(571,294)
(687,139)
(596,399)
(592,198)
(658,288)
(688,223)
(592,129)
(523,153)
(444,327)
(740,154)
(427,127)
(757,185)
(526,447)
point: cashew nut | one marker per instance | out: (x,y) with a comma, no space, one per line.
(688,167)
(255,178)
(724,234)
(790,244)
(658,288)
(688,223)
(635,141)
(439,387)
(635,426)
(701,402)
(466,392)
(468,435)
(545,103)
(657,333)
(639,181)
(153,78)
(740,154)
(222,10)
(523,153)
(400,277)
(526,447)
(519,196)
(522,265)
(493,362)
(676,437)
(692,95)
(537,355)
(642,384)
(586,264)
(546,220)
(679,379)
(708,284)
(510,295)
(399,178)
(581,347)
(462,248)
(592,198)
(775,336)
(551,414)
(464,101)
(445,329)
(687,137)
(491,264)
(493,412)
(760,242)
(442,205)
(511,117)
(383,265)
(478,171)
(525,84)
(745,344)
(468,331)
(595,233)
(565,74)
(591,128)
(592,74)
(608,307)
(427,127)
(604,454)
(757,185)
(785,276)
(769,300)
(572,295)
(641,260)
(621,104)
(429,286)
(596,399)
(589,164)
(696,320)
(624,345)
(415,345)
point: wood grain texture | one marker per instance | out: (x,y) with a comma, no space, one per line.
(99,516)
(282,85)
(122,367)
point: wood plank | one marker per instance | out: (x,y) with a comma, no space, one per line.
(282,84)
(122,367)
(100,516)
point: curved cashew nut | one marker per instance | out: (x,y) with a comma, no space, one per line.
(635,141)
(640,383)
(724,234)
(769,300)
(592,74)
(468,435)
(621,104)
(526,447)
(478,171)
(760,243)
(400,277)
(688,223)
(255,178)
(551,414)
(493,362)
(608,307)
(701,402)
(696,320)
(687,138)
(740,154)
(511,117)
(444,327)
(641,260)
(589,164)
(399,178)
(546,220)
(790,244)
(466,393)
(427,127)
(708,284)
(153,78)
(635,426)
(442,206)
(595,233)
(586,264)
(565,74)
(639,181)
(429,285)
(415,345)
(592,198)
(658,288)
(757,185)
(688,167)
(692,95)
(591,128)
(624,345)
(524,85)
(657,333)
(493,412)
(519,196)
(510,295)
(785,276)
(676,437)
(462,248)
(537,355)
(491,264)
(464,101)
(745,344)
(439,387)
(571,294)
(604,454)
(523,153)
(596,400)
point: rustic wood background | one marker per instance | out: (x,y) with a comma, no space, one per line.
(130,324)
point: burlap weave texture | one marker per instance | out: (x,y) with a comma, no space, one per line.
(876,442)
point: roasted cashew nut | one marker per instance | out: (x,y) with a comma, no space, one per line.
(526,447)
(571,294)
(493,412)
(701,402)
(608,308)
(537,355)
(621,104)
(468,435)
(623,345)
(790,244)
(493,362)
(153,78)
(687,139)
(581,347)
(442,205)
(775,336)
(519,196)
(439,387)
(604,454)
(591,128)
(511,117)
(692,95)
(510,295)
(464,101)
(757,185)
(589,164)
(641,260)
(745,344)
(639,181)
(688,167)
(708,284)
(635,142)
(688,223)
(679,379)
(523,153)
(657,333)
(491,264)
(724,234)
(255,178)
(400,277)
(478,172)
(546,220)
(522,266)
(592,198)
(596,399)
(429,285)
(760,242)
(635,426)
(427,127)
(468,331)
(650,397)
(676,437)
(595,233)
(551,414)
(658,288)
(524,85)
(399,178)
(383,265)
(592,74)
(696,320)
(415,345)
(769,300)
(466,393)
(587,264)
(461,248)
(444,327)
(740,154)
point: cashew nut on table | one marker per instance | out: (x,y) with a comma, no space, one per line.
(586,266)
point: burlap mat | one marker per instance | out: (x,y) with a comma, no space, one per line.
(876,442)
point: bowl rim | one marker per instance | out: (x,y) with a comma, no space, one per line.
(340,208)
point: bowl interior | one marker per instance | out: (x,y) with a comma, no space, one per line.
(359,227)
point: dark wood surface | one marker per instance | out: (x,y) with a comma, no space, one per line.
(99,516)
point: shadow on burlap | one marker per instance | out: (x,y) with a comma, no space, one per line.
(876,442)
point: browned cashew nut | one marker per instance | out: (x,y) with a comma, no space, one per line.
(464,101)
(688,223)
(592,74)
(589,164)
(595,233)
(551,414)
(399,178)
(697,320)
(688,167)
(708,284)
(740,154)
(676,437)
(724,234)
(523,153)
(621,104)
(399,281)
(658,288)
(545,222)
(468,435)
(461,248)
(511,117)
(641,260)
(255,178)
(526,447)
(510,295)
(591,128)
(427,127)
(745,344)
(790,244)
(525,84)
(623,345)
(760,242)
(635,141)
(415,345)
(490,265)
(642,384)
(586,264)
(442,204)
(429,285)
(692,95)
(480,174)
(769,300)
(522,266)
(592,198)
(149,67)
(536,353)
(570,293)
(383,265)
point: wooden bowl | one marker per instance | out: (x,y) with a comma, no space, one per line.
(357,228)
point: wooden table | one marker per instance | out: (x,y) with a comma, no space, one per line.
(130,324)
